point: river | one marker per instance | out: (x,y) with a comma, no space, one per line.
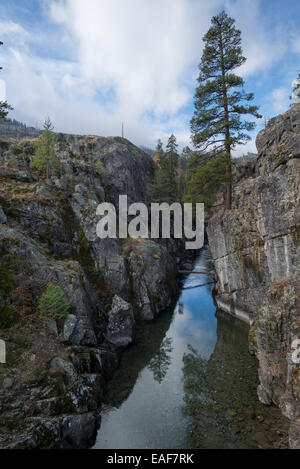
(189,381)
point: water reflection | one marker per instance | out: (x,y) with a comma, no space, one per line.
(220,394)
(161,361)
(189,381)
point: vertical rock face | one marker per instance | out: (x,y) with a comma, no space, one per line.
(48,234)
(256,251)
(121,322)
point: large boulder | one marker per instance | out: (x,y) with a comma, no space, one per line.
(121,322)
(153,278)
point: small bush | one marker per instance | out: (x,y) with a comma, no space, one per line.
(8,317)
(133,154)
(53,303)
(99,167)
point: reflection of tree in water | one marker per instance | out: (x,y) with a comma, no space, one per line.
(147,344)
(161,361)
(220,395)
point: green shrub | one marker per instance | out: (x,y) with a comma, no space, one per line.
(8,317)
(45,157)
(53,303)
(99,167)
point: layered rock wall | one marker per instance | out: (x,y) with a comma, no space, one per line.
(52,385)
(256,251)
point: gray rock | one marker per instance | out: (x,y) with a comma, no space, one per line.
(3,218)
(79,429)
(153,278)
(18,175)
(279,141)
(43,191)
(294,434)
(59,367)
(52,325)
(62,182)
(263,396)
(7,383)
(121,323)
(69,327)
(187,266)
(256,252)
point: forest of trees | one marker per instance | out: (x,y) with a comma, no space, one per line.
(169,184)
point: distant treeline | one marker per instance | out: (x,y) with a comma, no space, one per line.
(11,128)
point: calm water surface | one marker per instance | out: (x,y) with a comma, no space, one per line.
(189,382)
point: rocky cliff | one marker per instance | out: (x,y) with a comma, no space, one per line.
(51,385)
(256,251)
(13,129)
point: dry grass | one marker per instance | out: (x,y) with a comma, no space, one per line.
(277,288)
(130,244)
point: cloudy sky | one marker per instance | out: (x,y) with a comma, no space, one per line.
(92,64)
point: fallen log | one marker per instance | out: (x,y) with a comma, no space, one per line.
(195,272)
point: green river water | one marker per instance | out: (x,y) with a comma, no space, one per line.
(189,382)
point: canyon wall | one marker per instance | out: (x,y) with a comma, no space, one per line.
(52,384)
(256,252)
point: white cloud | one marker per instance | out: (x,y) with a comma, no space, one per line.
(279,99)
(295,42)
(2,90)
(262,46)
(146,50)
(249,147)
(132,60)
(9,27)
(14,32)
(296,45)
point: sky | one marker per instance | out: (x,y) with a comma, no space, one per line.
(91,65)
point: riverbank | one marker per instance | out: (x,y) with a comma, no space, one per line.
(52,382)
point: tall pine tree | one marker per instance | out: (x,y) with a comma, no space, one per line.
(220,99)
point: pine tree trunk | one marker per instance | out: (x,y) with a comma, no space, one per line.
(228,189)
(227,130)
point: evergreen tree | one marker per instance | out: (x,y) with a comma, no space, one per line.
(220,100)
(53,303)
(182,171)
(165,185)
(45,157)
(4,106)
(158,152)
(195,160)
(172,153)
(186,153)
(205,178)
